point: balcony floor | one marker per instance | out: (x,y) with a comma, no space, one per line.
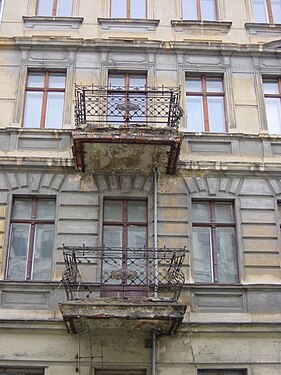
(161,315)
(133,150)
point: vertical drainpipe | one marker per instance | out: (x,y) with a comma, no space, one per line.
(155,183)
(153,333)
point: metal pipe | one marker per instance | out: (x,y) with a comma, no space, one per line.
(155,184)
(153,370)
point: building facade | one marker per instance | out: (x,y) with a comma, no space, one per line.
(140,187)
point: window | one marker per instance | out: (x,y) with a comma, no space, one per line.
(279,214)
(205,104)
(128,9)
(1,8)
(31,239)
(199,10)
(59,8)
(272,98)
(125,223)
(126,102)
(221,372)
(214,243)
(125,243)
(44,100)
(267,11)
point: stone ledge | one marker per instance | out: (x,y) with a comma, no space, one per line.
(38,22)
(263,28)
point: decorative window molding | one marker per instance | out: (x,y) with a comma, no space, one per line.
(222,27)
(128,24)
(48,23)
(263,28)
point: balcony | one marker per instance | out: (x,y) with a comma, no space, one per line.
(123,288)
(121,129)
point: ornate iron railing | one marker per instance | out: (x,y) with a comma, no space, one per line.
(122,272)
(145,106)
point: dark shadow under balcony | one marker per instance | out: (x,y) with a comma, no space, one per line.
(135,288)
(127,129)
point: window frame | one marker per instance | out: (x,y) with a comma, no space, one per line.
(45,90)
(221,371)
(124,223)
(213,225)
(55,5)
(204,94)
(22,371)
(277,80)
(33,222)
(126,76)
(128,10)
(199,11)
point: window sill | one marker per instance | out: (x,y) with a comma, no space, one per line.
(222,27)
(263,28)
(44,23)
(128,24)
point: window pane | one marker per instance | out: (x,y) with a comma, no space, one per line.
(64,8)
(224,213)
(136,236)
(138,9)
(19,243)
(57,80)
(208,10)
(276,10)
(227,268)
(32,110)
(214,85)
(273,114)
(113,210)
(112,236)
(193,85)
(137,81)
(194,107)
(35,80)
(260,11)
(270,88)
(201,212)
(46,209)
(118,8)
(216,114)
(116,80)
(201,241)
(22,209)
(44,7)
(137,211)
(279,213)
(54,111)
(189,11)
(43,249)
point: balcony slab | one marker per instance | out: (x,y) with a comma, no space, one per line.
(146,314)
